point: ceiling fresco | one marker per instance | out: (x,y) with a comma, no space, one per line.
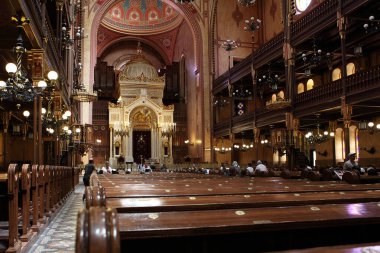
(140,17)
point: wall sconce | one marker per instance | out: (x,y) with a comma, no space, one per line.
(187,142)
(26,113)
(371,151)
(324,153)
(370,126)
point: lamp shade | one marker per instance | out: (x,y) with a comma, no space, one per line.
(3,84)
(11,68)
(42,84)
(26,114)
(52,75)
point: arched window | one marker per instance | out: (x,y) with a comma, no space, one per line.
(350,68)
(117,148)
(310,84)
(339,145)
(336,74)
(300,88)
(353,130)
(275,157)
(302,5)
(281,94)
(274,98)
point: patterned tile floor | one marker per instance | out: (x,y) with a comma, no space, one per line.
(59,235)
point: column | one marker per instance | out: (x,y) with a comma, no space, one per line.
(346,108)
(111,143)
(153,143)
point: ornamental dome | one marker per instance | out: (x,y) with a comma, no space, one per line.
(139,67)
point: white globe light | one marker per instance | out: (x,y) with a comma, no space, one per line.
(3,84)
(51,130)
(64,116)
(42,84)
(52,75)
(371,124)
(77,130)
(11,68)
(69,132)
(26,114)
(68,113)
(43,110)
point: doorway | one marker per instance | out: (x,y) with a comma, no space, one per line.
(141,146)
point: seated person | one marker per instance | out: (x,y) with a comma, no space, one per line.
(146,168)
(107,168)
(260,168)
(236,167)
(163,168)
(351,164)
(249,169)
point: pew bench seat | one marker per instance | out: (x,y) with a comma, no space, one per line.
(356,248)
(263,229)
(213,202)
(122,191)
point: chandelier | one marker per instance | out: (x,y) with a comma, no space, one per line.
(122,129)
(242,90)
(252,24)
(168,129)
(246,3)
(222,149)
(80,138)
(221,101)
(372,26)
(318,137)
(315,57)
(229,45)
(268,80)
(242,147)
(79,92)
(18,87)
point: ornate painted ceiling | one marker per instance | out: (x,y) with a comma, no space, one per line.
(141,17)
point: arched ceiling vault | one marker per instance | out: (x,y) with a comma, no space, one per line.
(163,43)
(149,49)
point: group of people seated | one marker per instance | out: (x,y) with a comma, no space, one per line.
(249,170)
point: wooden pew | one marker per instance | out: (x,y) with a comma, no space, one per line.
(89,223)
(25,209)
(232,230)
(214,202)
(9,187)
(353,177)
(351,248)
(35,184)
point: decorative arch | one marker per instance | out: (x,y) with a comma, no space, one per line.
(186,13)
(163,55)
(143,118)
(300,88)
(336,74)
